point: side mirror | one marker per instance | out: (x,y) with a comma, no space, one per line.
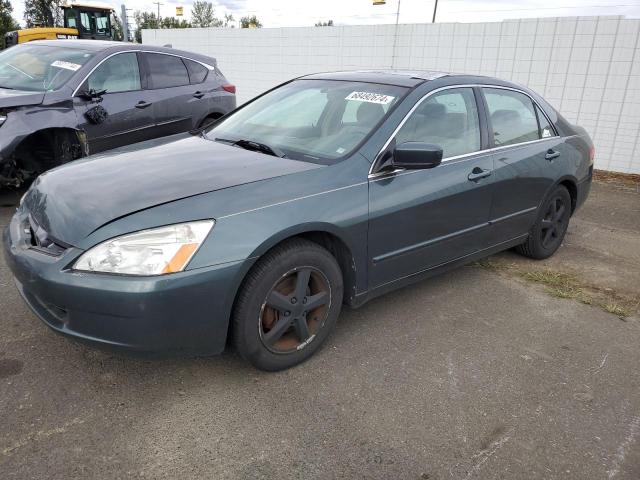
(417,155)
(91,93)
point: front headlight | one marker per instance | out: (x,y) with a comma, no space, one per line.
(148,252)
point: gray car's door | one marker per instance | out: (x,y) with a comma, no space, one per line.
(527,150)
(423,218)
(126,114)
(177,104)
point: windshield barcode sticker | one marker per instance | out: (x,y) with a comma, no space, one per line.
(66,65)
(370,97)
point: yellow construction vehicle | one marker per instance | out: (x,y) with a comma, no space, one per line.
(90,20)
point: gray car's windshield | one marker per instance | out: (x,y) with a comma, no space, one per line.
(314,120)
(39,68)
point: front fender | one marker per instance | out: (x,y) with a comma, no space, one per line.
(25,121)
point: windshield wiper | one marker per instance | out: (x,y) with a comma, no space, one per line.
(254,146)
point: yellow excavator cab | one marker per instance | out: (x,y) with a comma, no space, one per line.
(90,20)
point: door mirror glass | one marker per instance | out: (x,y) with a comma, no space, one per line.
(417,155)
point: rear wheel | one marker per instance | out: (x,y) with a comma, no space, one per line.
(550,227)
(288,305)
(210,120)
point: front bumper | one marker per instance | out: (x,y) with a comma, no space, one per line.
(187,311)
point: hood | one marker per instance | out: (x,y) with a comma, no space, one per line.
(19,98)
(72,201)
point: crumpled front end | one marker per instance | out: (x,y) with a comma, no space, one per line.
(35,138)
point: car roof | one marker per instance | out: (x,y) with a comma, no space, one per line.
(402,78)
(93,45)
(105,45)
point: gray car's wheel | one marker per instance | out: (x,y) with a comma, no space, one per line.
(287,305)
(551,226)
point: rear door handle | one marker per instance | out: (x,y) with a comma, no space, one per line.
(143,104)
(551,154)
(478,173)
(198,94)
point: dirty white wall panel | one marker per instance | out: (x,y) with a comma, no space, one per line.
(587,67)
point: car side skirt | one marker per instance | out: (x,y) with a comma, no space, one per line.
(363,298)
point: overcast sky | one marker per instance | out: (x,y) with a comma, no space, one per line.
(281,13)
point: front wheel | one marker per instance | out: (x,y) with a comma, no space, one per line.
(287,305)
(551,226)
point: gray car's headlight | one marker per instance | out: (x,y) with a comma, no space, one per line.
(148,252)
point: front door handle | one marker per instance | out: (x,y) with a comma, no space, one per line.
(198,94)
(143,104)
(478,173)
(551,154)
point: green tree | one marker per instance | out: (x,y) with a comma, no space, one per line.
(7,22)
(43,12)
(250,22)
(144,20)
(174,22)
(118,33)
(204,15)
(228,20)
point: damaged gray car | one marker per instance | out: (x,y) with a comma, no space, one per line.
(61,100)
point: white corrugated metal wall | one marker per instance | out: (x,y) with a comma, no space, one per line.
(587,67)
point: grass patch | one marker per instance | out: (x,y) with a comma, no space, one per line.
(622,311)
(562,284)
(558,284)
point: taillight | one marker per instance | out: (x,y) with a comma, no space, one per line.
(592,153)
(229,88)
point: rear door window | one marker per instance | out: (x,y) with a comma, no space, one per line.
(165,71)
(512,116)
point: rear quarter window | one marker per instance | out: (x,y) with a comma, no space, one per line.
(197,72)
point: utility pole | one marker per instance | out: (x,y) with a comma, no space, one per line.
(395,34)
(395,37)
(125,22)
(435,9)
(158,17)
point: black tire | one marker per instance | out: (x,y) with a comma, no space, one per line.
(208,121)
(270,322)
(551,225)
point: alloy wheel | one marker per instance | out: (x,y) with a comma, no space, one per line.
(553,223)
(295,310)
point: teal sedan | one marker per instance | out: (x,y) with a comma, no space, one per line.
(330,189)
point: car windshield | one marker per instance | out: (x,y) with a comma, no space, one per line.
(39,68)
(312,120)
